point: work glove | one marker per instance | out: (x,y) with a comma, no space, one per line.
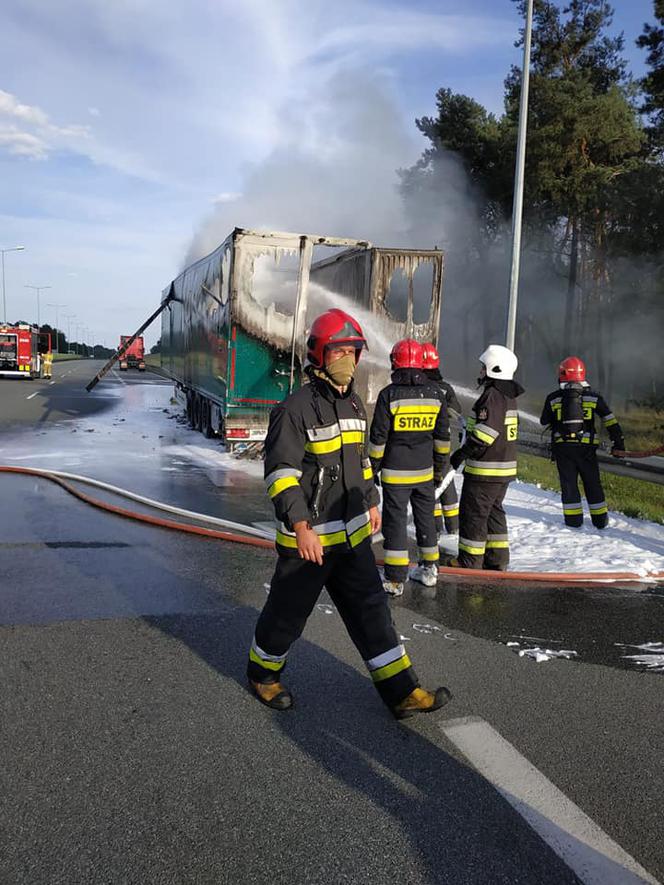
(618,446)
(437,480)
(457,458)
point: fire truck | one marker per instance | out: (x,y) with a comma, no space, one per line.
(134,355)
(22,349)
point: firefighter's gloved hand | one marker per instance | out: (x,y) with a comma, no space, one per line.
(618,446)
(457,458)
(309,546)
(437,480)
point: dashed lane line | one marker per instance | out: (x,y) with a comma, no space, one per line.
(32,394)
(586,849)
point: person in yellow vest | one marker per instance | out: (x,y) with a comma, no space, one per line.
(48,364)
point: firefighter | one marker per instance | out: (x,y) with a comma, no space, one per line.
(489,452)
(319,478)
(409,441)
(570,413)
(447,505)
(48,364)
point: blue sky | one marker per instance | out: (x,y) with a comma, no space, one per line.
(130,127)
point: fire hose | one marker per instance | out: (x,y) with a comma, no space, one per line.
(643,453)
(239,533)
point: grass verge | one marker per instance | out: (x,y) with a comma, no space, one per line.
(63,357)
(633,497)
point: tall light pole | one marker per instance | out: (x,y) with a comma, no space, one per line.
(57,323)
(4,300)
(38,289)
(69,317)
(517,208)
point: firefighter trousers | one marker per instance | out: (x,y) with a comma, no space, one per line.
(395,527)
(447,511)
(483,538)
(353,582)
(575,460)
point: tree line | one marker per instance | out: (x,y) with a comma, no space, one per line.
(592,279)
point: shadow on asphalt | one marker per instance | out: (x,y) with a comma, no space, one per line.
(458,827)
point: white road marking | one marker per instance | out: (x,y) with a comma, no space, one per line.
(592,855)
(51,382)
(32,394)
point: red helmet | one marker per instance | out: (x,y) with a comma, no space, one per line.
(333,327)
(430,358)
(572,369)
(407,354)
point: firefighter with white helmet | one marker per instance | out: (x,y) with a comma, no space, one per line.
(409,442)
(570,413)
(489,453)
(319,478)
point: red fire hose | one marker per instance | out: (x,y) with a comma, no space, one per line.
(486,576)
(644,453)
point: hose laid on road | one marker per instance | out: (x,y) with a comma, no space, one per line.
(243,534)
(643,453)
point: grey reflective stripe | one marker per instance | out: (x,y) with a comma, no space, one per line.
(493,465)
(357,522)
(468,543)
(486,429)
(396,403)
(376,451)
(511,413)
(281,473)
(497,537)
(447,507)
(366,462)
(608,417)
(352,424)
(387,657)
(277,659)
(596,506)
(281,527)
(317,434)
(572,504)
(328,528)
(589,399)
(424,550)
(556,400)
(386,473)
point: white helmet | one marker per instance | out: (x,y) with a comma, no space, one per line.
(499,362)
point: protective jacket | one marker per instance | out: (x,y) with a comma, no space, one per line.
(317,468)
(491,434)
(410,433)
(592,404)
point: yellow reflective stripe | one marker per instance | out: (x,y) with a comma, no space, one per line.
(430,557)
(324,446)
(598,510)
(360,534)
(484,437)
(438,511)
(474,551)
(367,473)
(391,669)
(269,665)
(333,538)
(286,540)
(406,480)
(491,471)
(415,410)
(502,544)
(442,447)
(453,511)
(609,422)
(280,485)
(572,511)
(352,436)
(376,451)
(396,560)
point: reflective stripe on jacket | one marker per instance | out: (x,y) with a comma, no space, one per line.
(592,403)
(317,468)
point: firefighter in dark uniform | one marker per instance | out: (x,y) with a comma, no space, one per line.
(320,481)
(489,452)
(446,510)
(570,413)
(409,442)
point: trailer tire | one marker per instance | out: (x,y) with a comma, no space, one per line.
(206,419)
(196,412)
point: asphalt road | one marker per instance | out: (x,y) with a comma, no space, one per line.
(131,751)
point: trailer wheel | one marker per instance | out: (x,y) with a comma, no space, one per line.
(196,410)
(190,408)
(206,419)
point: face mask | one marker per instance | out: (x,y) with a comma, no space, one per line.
(341,371)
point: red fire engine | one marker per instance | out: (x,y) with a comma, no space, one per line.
(134,356)
(21,350)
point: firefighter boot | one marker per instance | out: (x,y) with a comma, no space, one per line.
(393,588)
(422,701)
(426,574)
(272,694)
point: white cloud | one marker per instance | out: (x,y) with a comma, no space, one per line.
(27,131)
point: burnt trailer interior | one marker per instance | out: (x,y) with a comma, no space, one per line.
(234,328)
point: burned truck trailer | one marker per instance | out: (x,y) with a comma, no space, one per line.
(233,331)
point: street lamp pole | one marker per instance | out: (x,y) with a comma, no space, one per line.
(57,323)
(517,209)
(38,289)
(69,317)
(4,299)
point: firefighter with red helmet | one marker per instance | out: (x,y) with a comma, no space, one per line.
(409,441)
(320,481)
(489,453)
(570,413)
(446,510)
